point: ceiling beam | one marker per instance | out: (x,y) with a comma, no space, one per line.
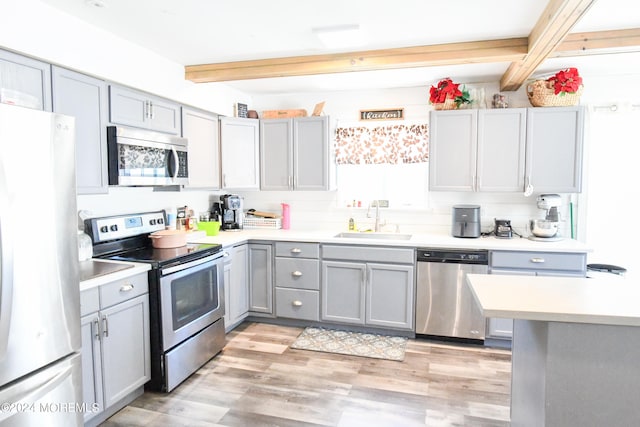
(552,27)
(505,50)
(589,43)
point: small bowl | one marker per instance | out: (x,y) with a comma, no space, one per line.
(543,227)
(211,227)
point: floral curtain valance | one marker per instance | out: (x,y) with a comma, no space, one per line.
(392,144)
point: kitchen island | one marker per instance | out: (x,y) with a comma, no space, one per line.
(576,347)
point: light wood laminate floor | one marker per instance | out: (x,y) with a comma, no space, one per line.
(258,380)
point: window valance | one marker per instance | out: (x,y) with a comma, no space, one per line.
(392,144)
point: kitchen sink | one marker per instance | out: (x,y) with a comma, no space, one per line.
(373,235)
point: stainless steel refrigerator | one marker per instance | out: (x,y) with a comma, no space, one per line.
(40,367)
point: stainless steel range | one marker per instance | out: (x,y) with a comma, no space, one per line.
(185,293)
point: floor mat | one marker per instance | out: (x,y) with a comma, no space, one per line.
(351,343)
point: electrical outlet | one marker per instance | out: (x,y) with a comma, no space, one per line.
(382,203)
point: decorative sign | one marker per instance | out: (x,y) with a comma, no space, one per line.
(241,110)
(394,114)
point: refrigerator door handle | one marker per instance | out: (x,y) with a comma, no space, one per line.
(38,387)
(6,265)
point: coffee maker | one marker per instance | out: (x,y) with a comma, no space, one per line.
(230,212)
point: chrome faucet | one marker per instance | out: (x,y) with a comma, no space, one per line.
(377,225)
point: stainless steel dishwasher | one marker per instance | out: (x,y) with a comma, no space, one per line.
(445,306)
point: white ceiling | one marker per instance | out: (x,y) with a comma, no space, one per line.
(192,32)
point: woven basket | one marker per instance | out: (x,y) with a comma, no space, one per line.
(448,104)
(541,94)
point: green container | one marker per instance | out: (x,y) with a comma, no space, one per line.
(211,227)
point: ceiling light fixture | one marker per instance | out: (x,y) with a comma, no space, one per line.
(95,3)
(339,36)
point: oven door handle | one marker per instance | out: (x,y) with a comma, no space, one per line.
(191,264)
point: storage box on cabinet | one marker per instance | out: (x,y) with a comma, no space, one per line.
(297,280)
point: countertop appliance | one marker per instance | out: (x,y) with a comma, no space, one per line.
(231,211)
(445,306)
(466,221)
(503,229)
(40,337)
(186,294)
(547,228)
(138,157)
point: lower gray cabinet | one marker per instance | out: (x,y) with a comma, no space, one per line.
(297,280)
(236,286)
(368,293)
(115,343)
(260,278)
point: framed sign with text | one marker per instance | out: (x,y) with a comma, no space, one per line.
(386,114)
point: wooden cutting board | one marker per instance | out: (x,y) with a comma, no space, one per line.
(263,214)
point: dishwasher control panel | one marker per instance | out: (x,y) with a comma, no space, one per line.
(459,256)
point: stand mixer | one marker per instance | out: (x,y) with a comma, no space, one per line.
(546,229)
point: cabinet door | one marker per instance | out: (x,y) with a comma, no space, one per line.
(311,153)
(239,148)
(125,348)
(343,292)
(554,149)
(390,290)
(238,307)
(85,98)
(500,328)
(24,81)
(260,278)
(452,150)
(276,160)
(201,129)
(91,364)
(132,108)
(501,149)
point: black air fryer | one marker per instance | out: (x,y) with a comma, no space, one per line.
(466,221)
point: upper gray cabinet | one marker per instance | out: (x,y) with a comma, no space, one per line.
(201,129)
(554,149)
(24,81)
(85,98)
(506,150)
(139,109)
(239,152)
(294,154)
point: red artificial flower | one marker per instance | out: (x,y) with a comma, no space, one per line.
(566,81)
(447,89)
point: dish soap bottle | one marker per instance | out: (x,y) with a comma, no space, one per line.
(352,225)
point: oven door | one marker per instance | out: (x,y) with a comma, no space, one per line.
(191,298)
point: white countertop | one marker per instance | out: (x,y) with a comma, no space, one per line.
(133,269)
(231,238)
(602,300)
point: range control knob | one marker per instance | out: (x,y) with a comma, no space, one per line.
(104,229)
(152,222)
(160,221)
(114,227)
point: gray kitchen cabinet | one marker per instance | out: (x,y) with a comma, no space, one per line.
(201,129)
(115,344)
(240,153)
(371,286)
(531,263)
(507,150)
(260,278)
(477,150)
(130,107)
(86,99)
(24,81)
(297,280)
(236,286)
(294,154)
(555,138)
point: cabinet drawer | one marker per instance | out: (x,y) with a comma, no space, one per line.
(297,249)
(298,273)
(539,260)
(366,253)
(89,301)
(124,289)
(298,304)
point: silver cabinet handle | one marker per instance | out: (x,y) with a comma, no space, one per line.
(96,326)
(296,274)
(290,182)
(105,324)
(296,303)
(537,260)
(126,288)
(296,250)
(151,114)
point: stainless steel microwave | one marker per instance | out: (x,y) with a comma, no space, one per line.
(138,157)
